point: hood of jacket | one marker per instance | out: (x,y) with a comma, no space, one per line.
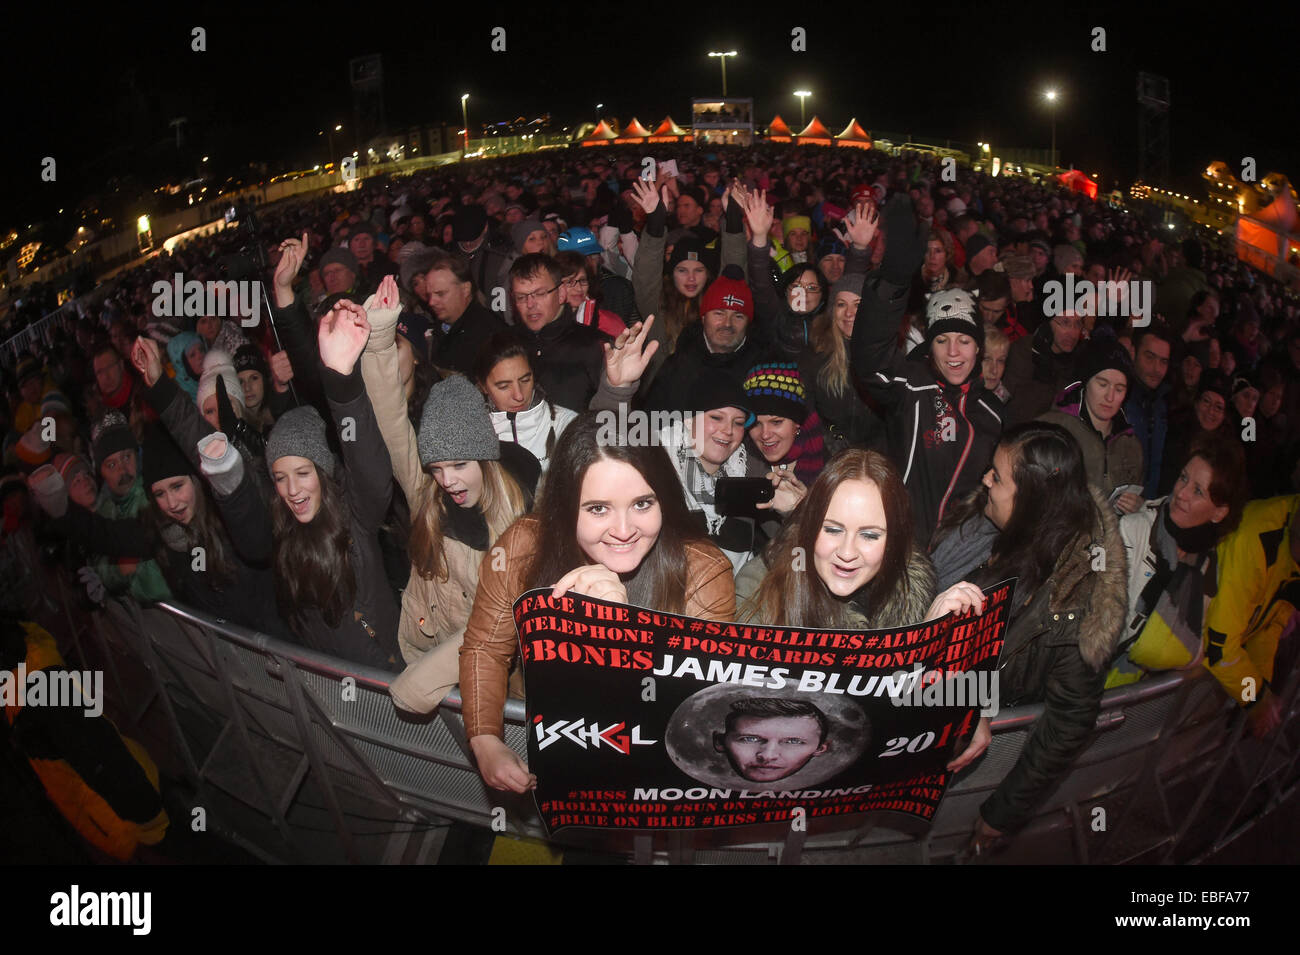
(1070,401)
(1097,590)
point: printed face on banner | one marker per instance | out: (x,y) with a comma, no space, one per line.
(763,748)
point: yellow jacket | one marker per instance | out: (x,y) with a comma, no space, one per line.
(1259,590)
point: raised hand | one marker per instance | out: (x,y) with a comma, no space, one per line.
(147,360)
(647,195)
(860,228)
(292,253)
(342,336)
(627,358)
(281,371)
(386,297)
(758,215)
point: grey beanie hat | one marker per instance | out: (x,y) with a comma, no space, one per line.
(520,233)
(300,432)
(456,425)
(849,282)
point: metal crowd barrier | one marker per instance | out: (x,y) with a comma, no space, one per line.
(263,729)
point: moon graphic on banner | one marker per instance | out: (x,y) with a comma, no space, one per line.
(695,738)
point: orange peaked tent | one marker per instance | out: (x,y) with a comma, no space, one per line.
(667,132)
(854,135)
(602,135)
(815,133)
(634,132)
(778,131)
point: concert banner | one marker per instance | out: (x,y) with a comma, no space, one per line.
(648,721)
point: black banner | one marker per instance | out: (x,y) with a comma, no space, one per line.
(647,721)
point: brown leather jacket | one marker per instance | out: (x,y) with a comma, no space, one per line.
(490,642)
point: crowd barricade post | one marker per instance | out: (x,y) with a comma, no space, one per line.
(283,713)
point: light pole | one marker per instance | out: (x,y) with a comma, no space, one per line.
(722,57)
(803,95)
(1050,96)
(599,107)
(464,118)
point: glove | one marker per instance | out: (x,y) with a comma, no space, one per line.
(905,240)
(47,487)
(94,586)
(224,469)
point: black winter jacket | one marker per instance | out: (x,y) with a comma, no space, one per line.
(368,632)
(567,359)
(941,436)
(457,348)
(1057,652)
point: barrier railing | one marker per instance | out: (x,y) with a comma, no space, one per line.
(1168,775)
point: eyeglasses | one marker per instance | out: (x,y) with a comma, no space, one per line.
(522,299)
(812,287)
(579,281)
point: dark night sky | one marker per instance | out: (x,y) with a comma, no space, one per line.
(98,95)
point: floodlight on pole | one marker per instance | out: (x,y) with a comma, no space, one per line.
(464,118)
(722,58)
(803,95)
(1051,96)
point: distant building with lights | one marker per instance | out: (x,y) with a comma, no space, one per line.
(721,121)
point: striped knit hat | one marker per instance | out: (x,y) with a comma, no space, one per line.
(774,388)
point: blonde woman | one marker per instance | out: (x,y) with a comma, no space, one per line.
(464,488)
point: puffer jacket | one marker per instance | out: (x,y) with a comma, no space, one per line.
(490,641)
(904,606)
(1112,461)
(1057,651)
(920,408)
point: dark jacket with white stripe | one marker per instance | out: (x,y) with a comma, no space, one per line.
(941,436)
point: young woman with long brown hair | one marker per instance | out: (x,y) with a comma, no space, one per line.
(611,522)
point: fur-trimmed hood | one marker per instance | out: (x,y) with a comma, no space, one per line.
(906,605)
(1093,584)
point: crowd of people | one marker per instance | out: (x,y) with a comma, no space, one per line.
(415,431)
